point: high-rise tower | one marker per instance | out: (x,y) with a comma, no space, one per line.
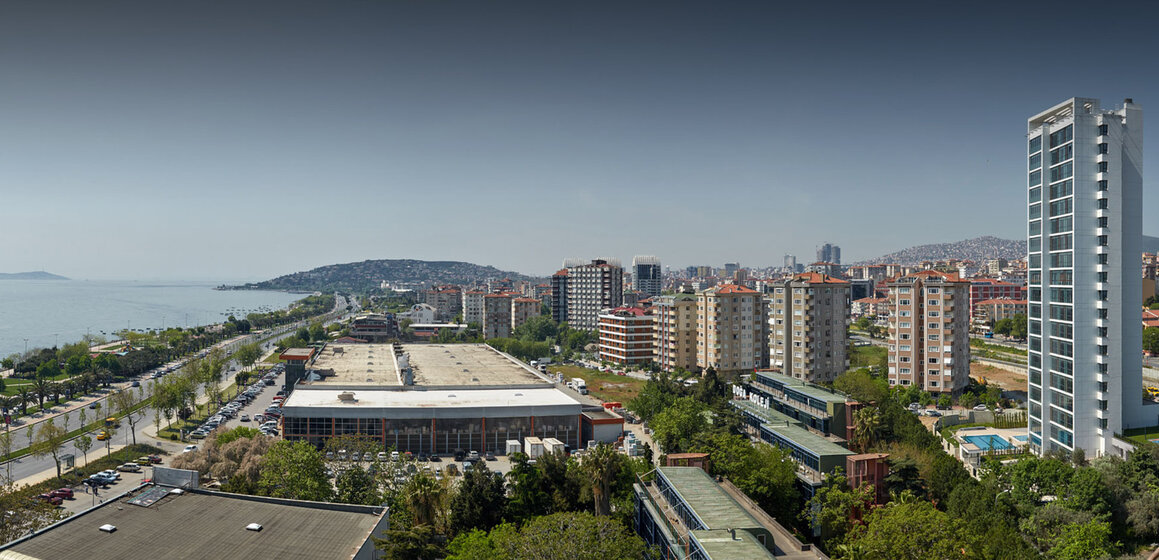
(1084,234)
(646,275)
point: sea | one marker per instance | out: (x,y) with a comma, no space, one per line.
(46,313)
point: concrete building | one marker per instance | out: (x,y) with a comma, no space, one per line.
(686,514)
(522,309)
(1084,237)
(626,336)
(420,313)
(982,289)
(929,332)
(374,327)
(732,329)
(829,253)
(808,320)
(497,316)
(473,306)
(674,331)
(993,310)
(592,288)
(447,301)
(816,455)
(153,521)
(427,398)
(869,469)
(647,275)
(558,298)
(869,307)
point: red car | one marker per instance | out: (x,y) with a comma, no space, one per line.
(64,493)
(51,498)
(154,459)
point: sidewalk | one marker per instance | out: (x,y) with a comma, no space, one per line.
(80,462)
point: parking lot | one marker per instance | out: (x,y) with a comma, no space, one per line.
(263,398)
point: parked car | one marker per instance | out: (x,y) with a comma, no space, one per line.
(980,407)
(50,498)
(245,418)
(189,448)
(130,467)
(382,456)
(63,493)
(102,435)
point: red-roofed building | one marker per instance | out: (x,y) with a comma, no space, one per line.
(982,289)
(447,301)
(870,307)
(1150,318)
(625,336)
(732,329)
(929,331)
(808,338)
(991,310)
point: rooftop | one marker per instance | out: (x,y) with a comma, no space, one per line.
(434,365)
(401,399)
(707,499)
(806,388)
(200,524)
(820,445)
(297,354)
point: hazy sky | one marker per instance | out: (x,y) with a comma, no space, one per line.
(244,140)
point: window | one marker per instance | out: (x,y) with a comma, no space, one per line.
(1035,178)
(1101,276)
(1036,210)
(1102,313)
(1036,194)
(1061,295)
(1061,154)
(1061,277)
(1103,185)
(1060,207)
(1036,144)
(1036,161)
(1061,225)
(1059,190)
(1036,227)
(933,302)
(1063,136)
(934,337)
(934,314)
(1035,244)
(933,290)
(1102,204)
(1103,259)
(932,360)
(1102,132)
(1102,148)
(1102,167)
(1102,331)
(1102,241)
(933,326)
(1102,295)
(1062,242)
(1061,260)
(1102,221)
(1066,171)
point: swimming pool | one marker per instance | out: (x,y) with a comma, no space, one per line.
(986,443)
(1020,438)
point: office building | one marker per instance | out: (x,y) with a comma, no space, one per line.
(808,319)
(675,331)
(626,336)
(829,253)
(647,276)
(790,263)
(559,296)
(592,288)
(732,329)
(1084,237)
(929,334)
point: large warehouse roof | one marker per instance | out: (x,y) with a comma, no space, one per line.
(199,524)
(434,365)
(427,403)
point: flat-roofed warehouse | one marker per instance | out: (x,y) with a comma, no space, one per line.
(427,398)
(156,523)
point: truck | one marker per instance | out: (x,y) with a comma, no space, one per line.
(552,445)
(579,385)
(533,447)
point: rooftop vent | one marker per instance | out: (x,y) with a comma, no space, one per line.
(108,528)
(253,527)
(347,397)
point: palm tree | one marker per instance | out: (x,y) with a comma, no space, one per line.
(866,425)
(40,387)
(56,389)
(601,466)
(25,396)
(424,497)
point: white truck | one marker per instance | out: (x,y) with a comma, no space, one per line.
(578,385)
(552,445)
(533,447)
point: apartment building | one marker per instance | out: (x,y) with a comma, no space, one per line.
(732,329)
(929,342)
(592,288)
(473,306)
(982,289)
(558,296)
(808,338)
(626,336)
(447,301)
(522,309)
(1084,238)
(997,309)
(497,316)
(869,307)
(675,324)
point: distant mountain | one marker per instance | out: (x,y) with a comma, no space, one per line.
(367,275)
(38,275)
(977,249)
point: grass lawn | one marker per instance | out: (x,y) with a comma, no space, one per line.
(865,356)
(601,385)
(1139,436)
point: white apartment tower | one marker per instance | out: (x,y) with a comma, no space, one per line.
(1084,233)
(592,288)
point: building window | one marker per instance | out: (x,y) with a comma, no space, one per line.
(1103,148)
(1102,221)
(1102,241)
(1102,131)
(1036,144)
(1102,167)
(1103,258)
(1103,185)
(1103,313)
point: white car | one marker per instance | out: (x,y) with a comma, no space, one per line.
(189,448)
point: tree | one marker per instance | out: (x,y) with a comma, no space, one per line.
(417,543)
(248,354)
(568,536)
(600,466)
(834,507)
(910,531)
(1018,326)
(866,428)
(674,427)
(50,439)
(424,498)
(944,401)
(861,385)
(479,502)
(5,451)
(765,473)
(473,545)
(1151,339)
(84,443)
(356,486)
(295,470)
(525,483)
(123,402)
(1084,541)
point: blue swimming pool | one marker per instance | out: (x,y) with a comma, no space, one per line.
(986,443)
(1019,438)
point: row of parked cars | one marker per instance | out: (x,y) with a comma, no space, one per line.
(269,424)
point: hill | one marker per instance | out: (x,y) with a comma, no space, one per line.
(977,249)
(367,275)
(38,275)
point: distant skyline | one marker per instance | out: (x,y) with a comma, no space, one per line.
(246,140)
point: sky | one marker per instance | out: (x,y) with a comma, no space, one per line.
(243,140)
